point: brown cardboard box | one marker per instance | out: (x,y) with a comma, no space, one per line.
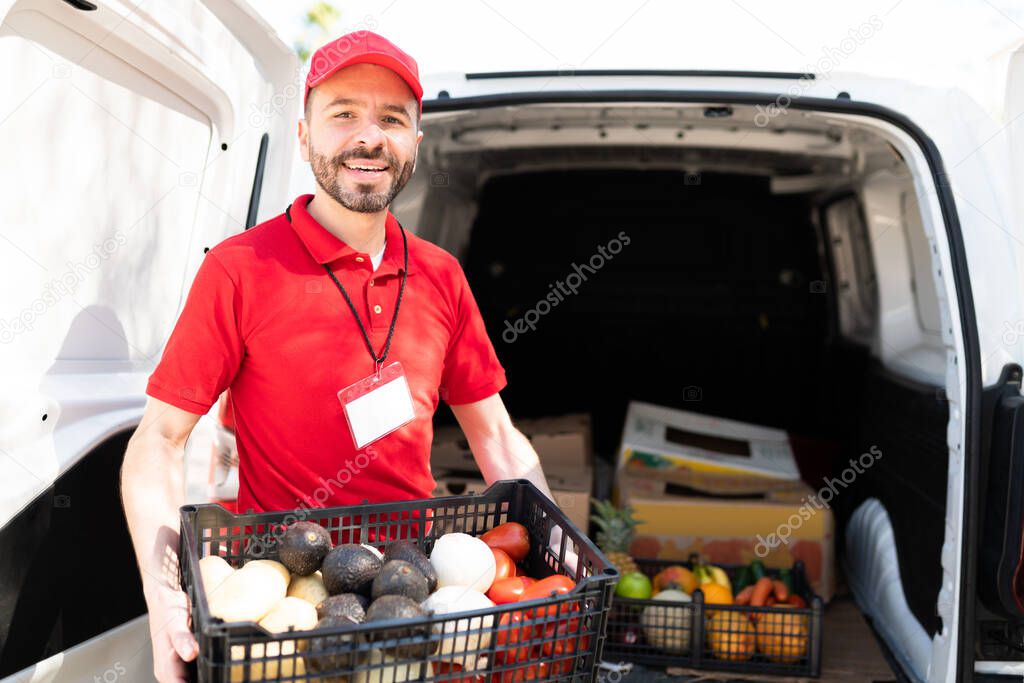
(778,528)
(562,444)
(574,503)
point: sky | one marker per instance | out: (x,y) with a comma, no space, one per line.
(963,43)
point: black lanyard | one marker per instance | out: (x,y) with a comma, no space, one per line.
(378,361)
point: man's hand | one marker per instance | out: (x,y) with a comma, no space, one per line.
(173,642)
(152,490)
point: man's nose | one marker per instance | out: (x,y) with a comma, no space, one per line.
(371,136)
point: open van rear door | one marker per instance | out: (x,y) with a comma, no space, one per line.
(135,136)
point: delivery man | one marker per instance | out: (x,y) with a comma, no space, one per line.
(336,330)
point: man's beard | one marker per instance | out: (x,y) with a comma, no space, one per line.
(363,199)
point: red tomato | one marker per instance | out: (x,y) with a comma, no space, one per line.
(511,537)
(504,567)
(508,590)
(557,584)
(450,672)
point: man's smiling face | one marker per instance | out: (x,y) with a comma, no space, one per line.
(360,135)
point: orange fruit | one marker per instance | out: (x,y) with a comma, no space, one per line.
(716,594)
(730,636)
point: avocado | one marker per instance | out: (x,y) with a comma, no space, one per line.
(398,577)
(303,547)
(331,661)
(408,551)
(350,568)
(388,607)
(345,605)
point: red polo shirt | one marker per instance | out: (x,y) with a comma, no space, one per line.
(264,318)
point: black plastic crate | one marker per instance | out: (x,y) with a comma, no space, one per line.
(738,638)
(559,638)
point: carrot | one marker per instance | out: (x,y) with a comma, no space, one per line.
(743,597)
(769,601)
(797,601)
(781,592)
(761,591)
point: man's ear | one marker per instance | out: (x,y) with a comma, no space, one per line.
(304,139)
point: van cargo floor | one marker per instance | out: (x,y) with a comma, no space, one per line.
(851,655)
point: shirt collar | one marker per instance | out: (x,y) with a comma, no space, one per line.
(325,248)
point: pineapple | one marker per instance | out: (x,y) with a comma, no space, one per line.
(616,528)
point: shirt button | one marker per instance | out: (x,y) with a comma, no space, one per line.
(359,259)
(376,309)
(371,283)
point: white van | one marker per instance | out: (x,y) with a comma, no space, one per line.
(837,257)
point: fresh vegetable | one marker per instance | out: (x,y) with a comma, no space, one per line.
(504,567)
(350,568)
(796,601)
(347,606)
(303,546)
(398,577)
(616,528)
(385,669)
(786,576)
(762,589)
(677,577)
(634,585)
(743,597)
(213,569)
(289,613)
(667,627)
(731,636)
(780,591)
(410,552)
(555,583)
(511,537)
(248,594)
(277,567)
(388,607)
(510,589)
(309,588)
(452,599)
(782,637)
(463,560)
(322,653)
(743,579)
(756,571)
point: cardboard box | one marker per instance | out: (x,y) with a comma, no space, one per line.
(705,453)
(573,502)
(562,444)
(778,528)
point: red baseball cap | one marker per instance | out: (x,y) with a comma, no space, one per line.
(362,47)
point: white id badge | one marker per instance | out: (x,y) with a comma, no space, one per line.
(377,405)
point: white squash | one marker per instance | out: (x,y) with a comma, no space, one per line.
(453,599)
(463,560)
(309,588)
(214,569)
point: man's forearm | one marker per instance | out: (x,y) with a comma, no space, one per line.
(507,454)
(152,490)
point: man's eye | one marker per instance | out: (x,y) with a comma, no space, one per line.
(392,119)
(342,113)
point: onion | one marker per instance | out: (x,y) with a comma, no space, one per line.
(463,560)
(452,599)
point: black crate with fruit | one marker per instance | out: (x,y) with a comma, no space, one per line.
(493,587)
(745,619)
